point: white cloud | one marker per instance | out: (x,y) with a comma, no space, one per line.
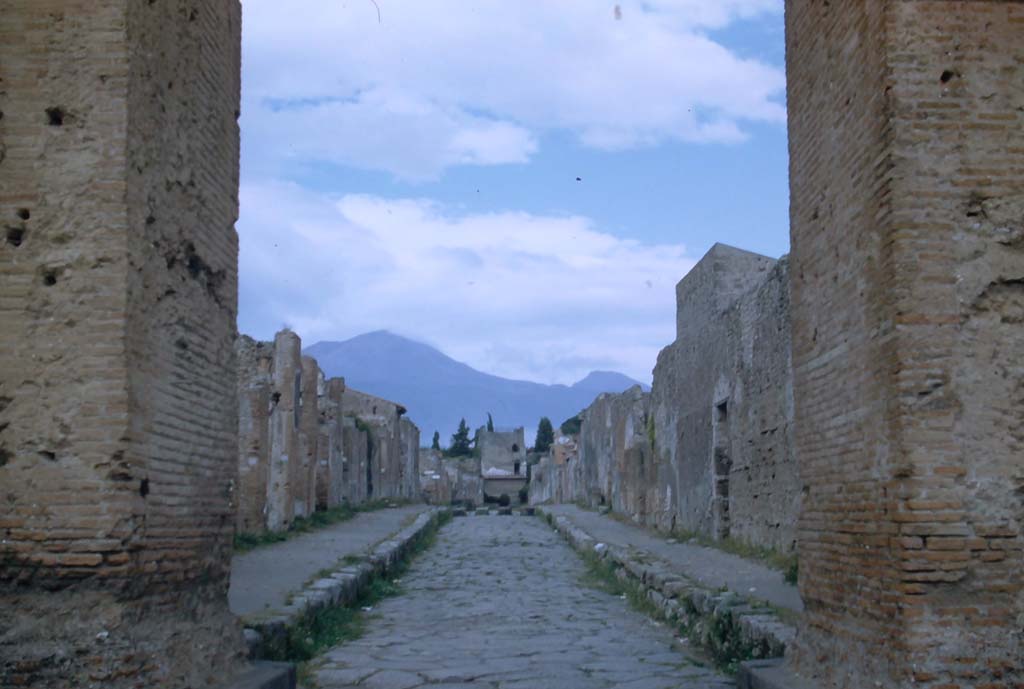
(437,83)
(554,296)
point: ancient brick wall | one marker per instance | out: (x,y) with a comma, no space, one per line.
(309,435)
(118,432)
(710,448)
(615,460)
(392,445)
(330,476)
(309,442)
(553,482)
(409,480)
(255,362)
(502,450)
(466,481)
(721,406)
(357,475)
(435,485)
(907,197)
(285,418)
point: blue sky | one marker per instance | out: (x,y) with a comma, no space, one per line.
(418,172)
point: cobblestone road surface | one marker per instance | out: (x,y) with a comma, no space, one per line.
(498,602)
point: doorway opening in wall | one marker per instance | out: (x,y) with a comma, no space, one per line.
(721,468)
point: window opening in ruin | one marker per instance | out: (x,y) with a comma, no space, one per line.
(721,467)
(55,117)
(516,469)
(369,465)
(515,447)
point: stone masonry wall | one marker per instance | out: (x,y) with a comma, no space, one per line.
(615,459)
(709,449)
(291,445)
(285,411)
(502,450)
(117,320)
(907,198)
(309,436)
(255,363)
(409,437)
(722,405)
(356,441)
(330,470)
(435,485)
(393,471)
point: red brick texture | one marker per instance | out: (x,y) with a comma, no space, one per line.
(118,422)
(907,219)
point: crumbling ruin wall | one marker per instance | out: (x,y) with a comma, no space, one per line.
(553,483)
(616,466)
(721,405)
(118,431)
(709,449)
(357,475)
(392,472)
(435,485)
(255,362)
(291,446)
(285,416)
(502,450)
(466,481)
(309,436)
(906,137)
(409,437)
(330,470)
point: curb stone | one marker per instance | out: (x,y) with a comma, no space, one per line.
(267,631)
(731,627)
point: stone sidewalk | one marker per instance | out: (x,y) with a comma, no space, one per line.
(263,579)
(707,566)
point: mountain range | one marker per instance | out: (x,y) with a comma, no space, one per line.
(439,391)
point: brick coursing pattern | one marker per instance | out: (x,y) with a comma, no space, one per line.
(118,194)
(906,139)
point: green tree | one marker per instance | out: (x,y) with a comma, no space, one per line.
(573,425)
(460,441)
(436,445)
(490,423)
(545,435)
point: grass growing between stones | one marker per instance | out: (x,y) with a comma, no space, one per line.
(784,562)
(244,542)
(335,625)
(601,575)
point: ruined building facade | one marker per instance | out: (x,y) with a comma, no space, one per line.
(906,135)
(117,324)
(308,442)
(709,449)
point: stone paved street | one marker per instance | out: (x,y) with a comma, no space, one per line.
(497,602)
